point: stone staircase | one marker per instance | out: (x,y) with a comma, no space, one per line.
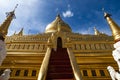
(59,66)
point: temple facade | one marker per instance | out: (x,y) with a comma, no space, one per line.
(58,54)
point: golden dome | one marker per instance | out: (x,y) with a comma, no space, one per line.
(58,25)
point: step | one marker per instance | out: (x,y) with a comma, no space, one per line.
(59,57)
(60,76)
(59,70)
(59,50)
(62,79)
(59,53)
(59,66)
(59,63)
(58,60)
(63,65)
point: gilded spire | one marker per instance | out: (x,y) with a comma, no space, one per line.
(114,26)
(96,31)
(58,17)
(5,25)
(59,28)
(14,33)
(21,32)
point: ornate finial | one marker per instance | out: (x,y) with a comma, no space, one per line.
(105,13)
(58,15)
(114,26)
(57,11)
(12,12)
(15,7)
(5,25)
(58,18)
(21,32)
(96,31)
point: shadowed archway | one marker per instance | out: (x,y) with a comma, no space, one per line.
(59,42)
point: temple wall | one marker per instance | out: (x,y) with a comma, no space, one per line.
(25,55)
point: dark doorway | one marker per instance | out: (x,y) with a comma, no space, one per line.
(59,42)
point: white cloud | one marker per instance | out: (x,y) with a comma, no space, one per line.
(68,13)
(25,14)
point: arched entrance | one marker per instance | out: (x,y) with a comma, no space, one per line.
(59,42)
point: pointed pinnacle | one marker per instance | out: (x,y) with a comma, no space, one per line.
(106,15)
(15,7)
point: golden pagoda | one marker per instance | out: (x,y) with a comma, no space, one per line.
(58,54)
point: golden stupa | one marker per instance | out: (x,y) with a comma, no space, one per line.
(56,24)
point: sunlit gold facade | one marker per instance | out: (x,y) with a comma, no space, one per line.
(25,53)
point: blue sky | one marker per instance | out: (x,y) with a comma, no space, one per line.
(81,15)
